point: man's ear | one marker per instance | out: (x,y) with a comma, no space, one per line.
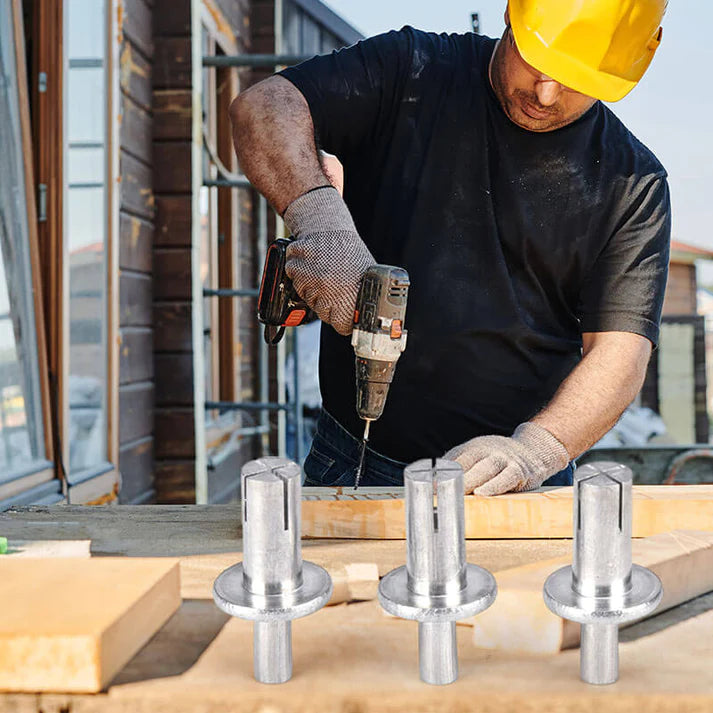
(507,16)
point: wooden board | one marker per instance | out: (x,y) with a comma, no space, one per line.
(72,624)
(352,581)
(543,513)
(354,658)
(48,548)
(520,621)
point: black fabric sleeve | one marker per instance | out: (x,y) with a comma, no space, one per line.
(353,93)
(625,288)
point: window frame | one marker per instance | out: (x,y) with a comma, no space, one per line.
(216,438)
(100,483)
(43,472)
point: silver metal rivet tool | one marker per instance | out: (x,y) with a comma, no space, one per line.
(437,586)
(272,585)
(602,589)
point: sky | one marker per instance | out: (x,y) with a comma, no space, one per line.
(670,110)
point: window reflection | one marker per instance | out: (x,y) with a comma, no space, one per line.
(86,230)
(21,431)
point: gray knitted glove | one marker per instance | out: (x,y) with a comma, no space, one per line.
(496,464)
(328,258)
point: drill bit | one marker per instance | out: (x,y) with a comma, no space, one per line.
(364,441)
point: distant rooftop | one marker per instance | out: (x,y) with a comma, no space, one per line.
(686,252)
(329,19)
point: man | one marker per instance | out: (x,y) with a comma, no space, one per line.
(534,226)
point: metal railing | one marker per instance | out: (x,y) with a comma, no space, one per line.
(230,180)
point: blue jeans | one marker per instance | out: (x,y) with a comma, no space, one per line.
(334,457)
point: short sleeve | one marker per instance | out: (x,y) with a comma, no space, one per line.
(353,93)
(625,289)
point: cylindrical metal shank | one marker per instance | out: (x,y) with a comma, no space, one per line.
(599,655)
(435,535)
(437,652)
(272,651)
(601,565)
(272,553)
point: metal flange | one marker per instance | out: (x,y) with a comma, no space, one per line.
(437,587)
(272,585)
(602,589)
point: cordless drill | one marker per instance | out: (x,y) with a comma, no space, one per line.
(378,338)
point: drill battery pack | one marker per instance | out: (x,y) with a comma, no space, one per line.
(279,305)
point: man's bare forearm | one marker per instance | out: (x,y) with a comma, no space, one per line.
(593,397)
(273,135)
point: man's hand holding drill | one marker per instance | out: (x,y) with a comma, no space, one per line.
(328,258)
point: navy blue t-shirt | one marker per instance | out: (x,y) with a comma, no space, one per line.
(516,242)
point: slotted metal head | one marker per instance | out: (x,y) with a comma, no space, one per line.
(271,508)
(602,529)
(435,527)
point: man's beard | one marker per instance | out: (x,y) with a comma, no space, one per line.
(512,104)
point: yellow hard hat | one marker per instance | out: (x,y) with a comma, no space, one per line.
(601,48)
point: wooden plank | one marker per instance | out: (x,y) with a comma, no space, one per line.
(172,166)
(101,612)
(172,114)
(173,221)
(353,658)
(136,193)
(352,581)
(543,513)
(172,274)
(137,26)
(172,18)
(135,299)
(229,19)
(227,244)
(520,621)
(176,482)
(135,76)
(172,63)
(175,433)
(136,411)
(173,328)
(136,463)
(135,243)
(136,361)
(49,548)
(135,134)
(174,379)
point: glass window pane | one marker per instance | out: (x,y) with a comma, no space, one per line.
(86,100)
(21,428)
(85,165)
(86,233)
(84,33)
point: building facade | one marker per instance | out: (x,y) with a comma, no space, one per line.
(120,356)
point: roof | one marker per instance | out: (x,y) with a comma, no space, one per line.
(686,253)
(329,19)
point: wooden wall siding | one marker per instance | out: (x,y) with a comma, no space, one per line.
(172,326)
(136,402)
(136,231)
(650,393)
(174,450)
(681,290)
(262,25)
(173,222)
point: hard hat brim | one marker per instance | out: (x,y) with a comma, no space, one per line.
(565,69)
